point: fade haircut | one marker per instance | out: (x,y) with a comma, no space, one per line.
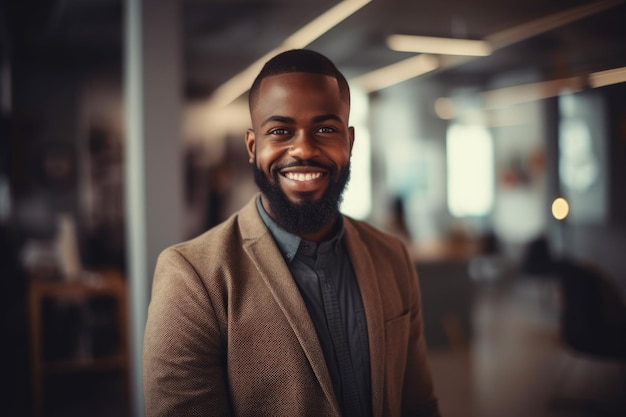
(299,60)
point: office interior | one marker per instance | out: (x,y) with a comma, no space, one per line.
(490,136)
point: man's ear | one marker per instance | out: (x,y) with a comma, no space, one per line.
(351,137)
(250,144)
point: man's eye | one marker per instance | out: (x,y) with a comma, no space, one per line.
(278,131)
(326,129)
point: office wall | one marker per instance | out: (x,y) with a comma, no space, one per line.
(603,240)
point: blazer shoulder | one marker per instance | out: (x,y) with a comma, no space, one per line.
(222,240)
(214,238)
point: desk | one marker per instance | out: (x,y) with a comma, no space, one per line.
(447,299)
(109,283)
(446,250)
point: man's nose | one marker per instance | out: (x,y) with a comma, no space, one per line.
(303,146)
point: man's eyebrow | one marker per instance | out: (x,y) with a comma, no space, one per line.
(280,119)
(289,120)
(325,117)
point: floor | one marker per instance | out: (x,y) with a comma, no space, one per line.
(514,366)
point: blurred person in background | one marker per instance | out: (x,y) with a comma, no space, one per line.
(289,308)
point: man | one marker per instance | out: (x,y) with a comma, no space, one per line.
(289,308)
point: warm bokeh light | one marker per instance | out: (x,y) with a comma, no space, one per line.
(560,208)
(444,108)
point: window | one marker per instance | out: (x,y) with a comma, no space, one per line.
(357,201)
(470,171)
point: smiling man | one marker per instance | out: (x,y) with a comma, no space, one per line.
(289,308)
(300,149)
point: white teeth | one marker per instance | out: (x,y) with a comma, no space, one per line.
(299,176)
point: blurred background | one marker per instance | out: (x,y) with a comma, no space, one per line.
(490,135)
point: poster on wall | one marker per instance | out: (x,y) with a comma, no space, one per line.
(582,157)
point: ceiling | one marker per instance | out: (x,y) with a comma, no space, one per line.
(221,38)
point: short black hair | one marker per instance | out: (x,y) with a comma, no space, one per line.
(299,60)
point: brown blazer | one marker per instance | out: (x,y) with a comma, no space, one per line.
(228,333)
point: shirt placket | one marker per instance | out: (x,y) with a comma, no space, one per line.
(337,332)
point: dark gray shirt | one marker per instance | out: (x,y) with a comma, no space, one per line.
(311,266)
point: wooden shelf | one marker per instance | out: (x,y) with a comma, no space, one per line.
(91,364)
(106,283)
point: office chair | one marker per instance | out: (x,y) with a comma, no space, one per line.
(593,331)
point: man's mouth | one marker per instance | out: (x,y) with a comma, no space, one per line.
(302,176)
(303,180)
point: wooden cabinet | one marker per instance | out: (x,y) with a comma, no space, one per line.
(109,285)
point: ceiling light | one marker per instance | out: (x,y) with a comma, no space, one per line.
(396,73)
(524,31)
(508,96)
(608,77)
(240,83)
(440,46)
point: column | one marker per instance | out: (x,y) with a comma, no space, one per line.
(153,158)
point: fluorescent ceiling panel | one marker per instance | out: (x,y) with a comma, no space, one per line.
(439,46)
(608,77)
(396,73)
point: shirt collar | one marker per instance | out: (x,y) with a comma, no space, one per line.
(288,243)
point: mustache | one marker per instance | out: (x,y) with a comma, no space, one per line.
(304,163)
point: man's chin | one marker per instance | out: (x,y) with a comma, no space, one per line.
(302,199)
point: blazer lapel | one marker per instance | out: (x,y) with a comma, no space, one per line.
(261,248)
(365,272)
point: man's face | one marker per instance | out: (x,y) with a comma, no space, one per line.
(300,145)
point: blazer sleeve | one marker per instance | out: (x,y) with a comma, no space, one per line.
(183,354)
(418,392)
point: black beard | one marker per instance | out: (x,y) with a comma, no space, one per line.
(306,216)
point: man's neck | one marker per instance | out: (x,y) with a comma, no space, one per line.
(320,235)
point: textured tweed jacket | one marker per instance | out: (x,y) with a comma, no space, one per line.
(228,333)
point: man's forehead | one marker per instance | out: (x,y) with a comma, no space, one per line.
(281,86)
(283,98)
